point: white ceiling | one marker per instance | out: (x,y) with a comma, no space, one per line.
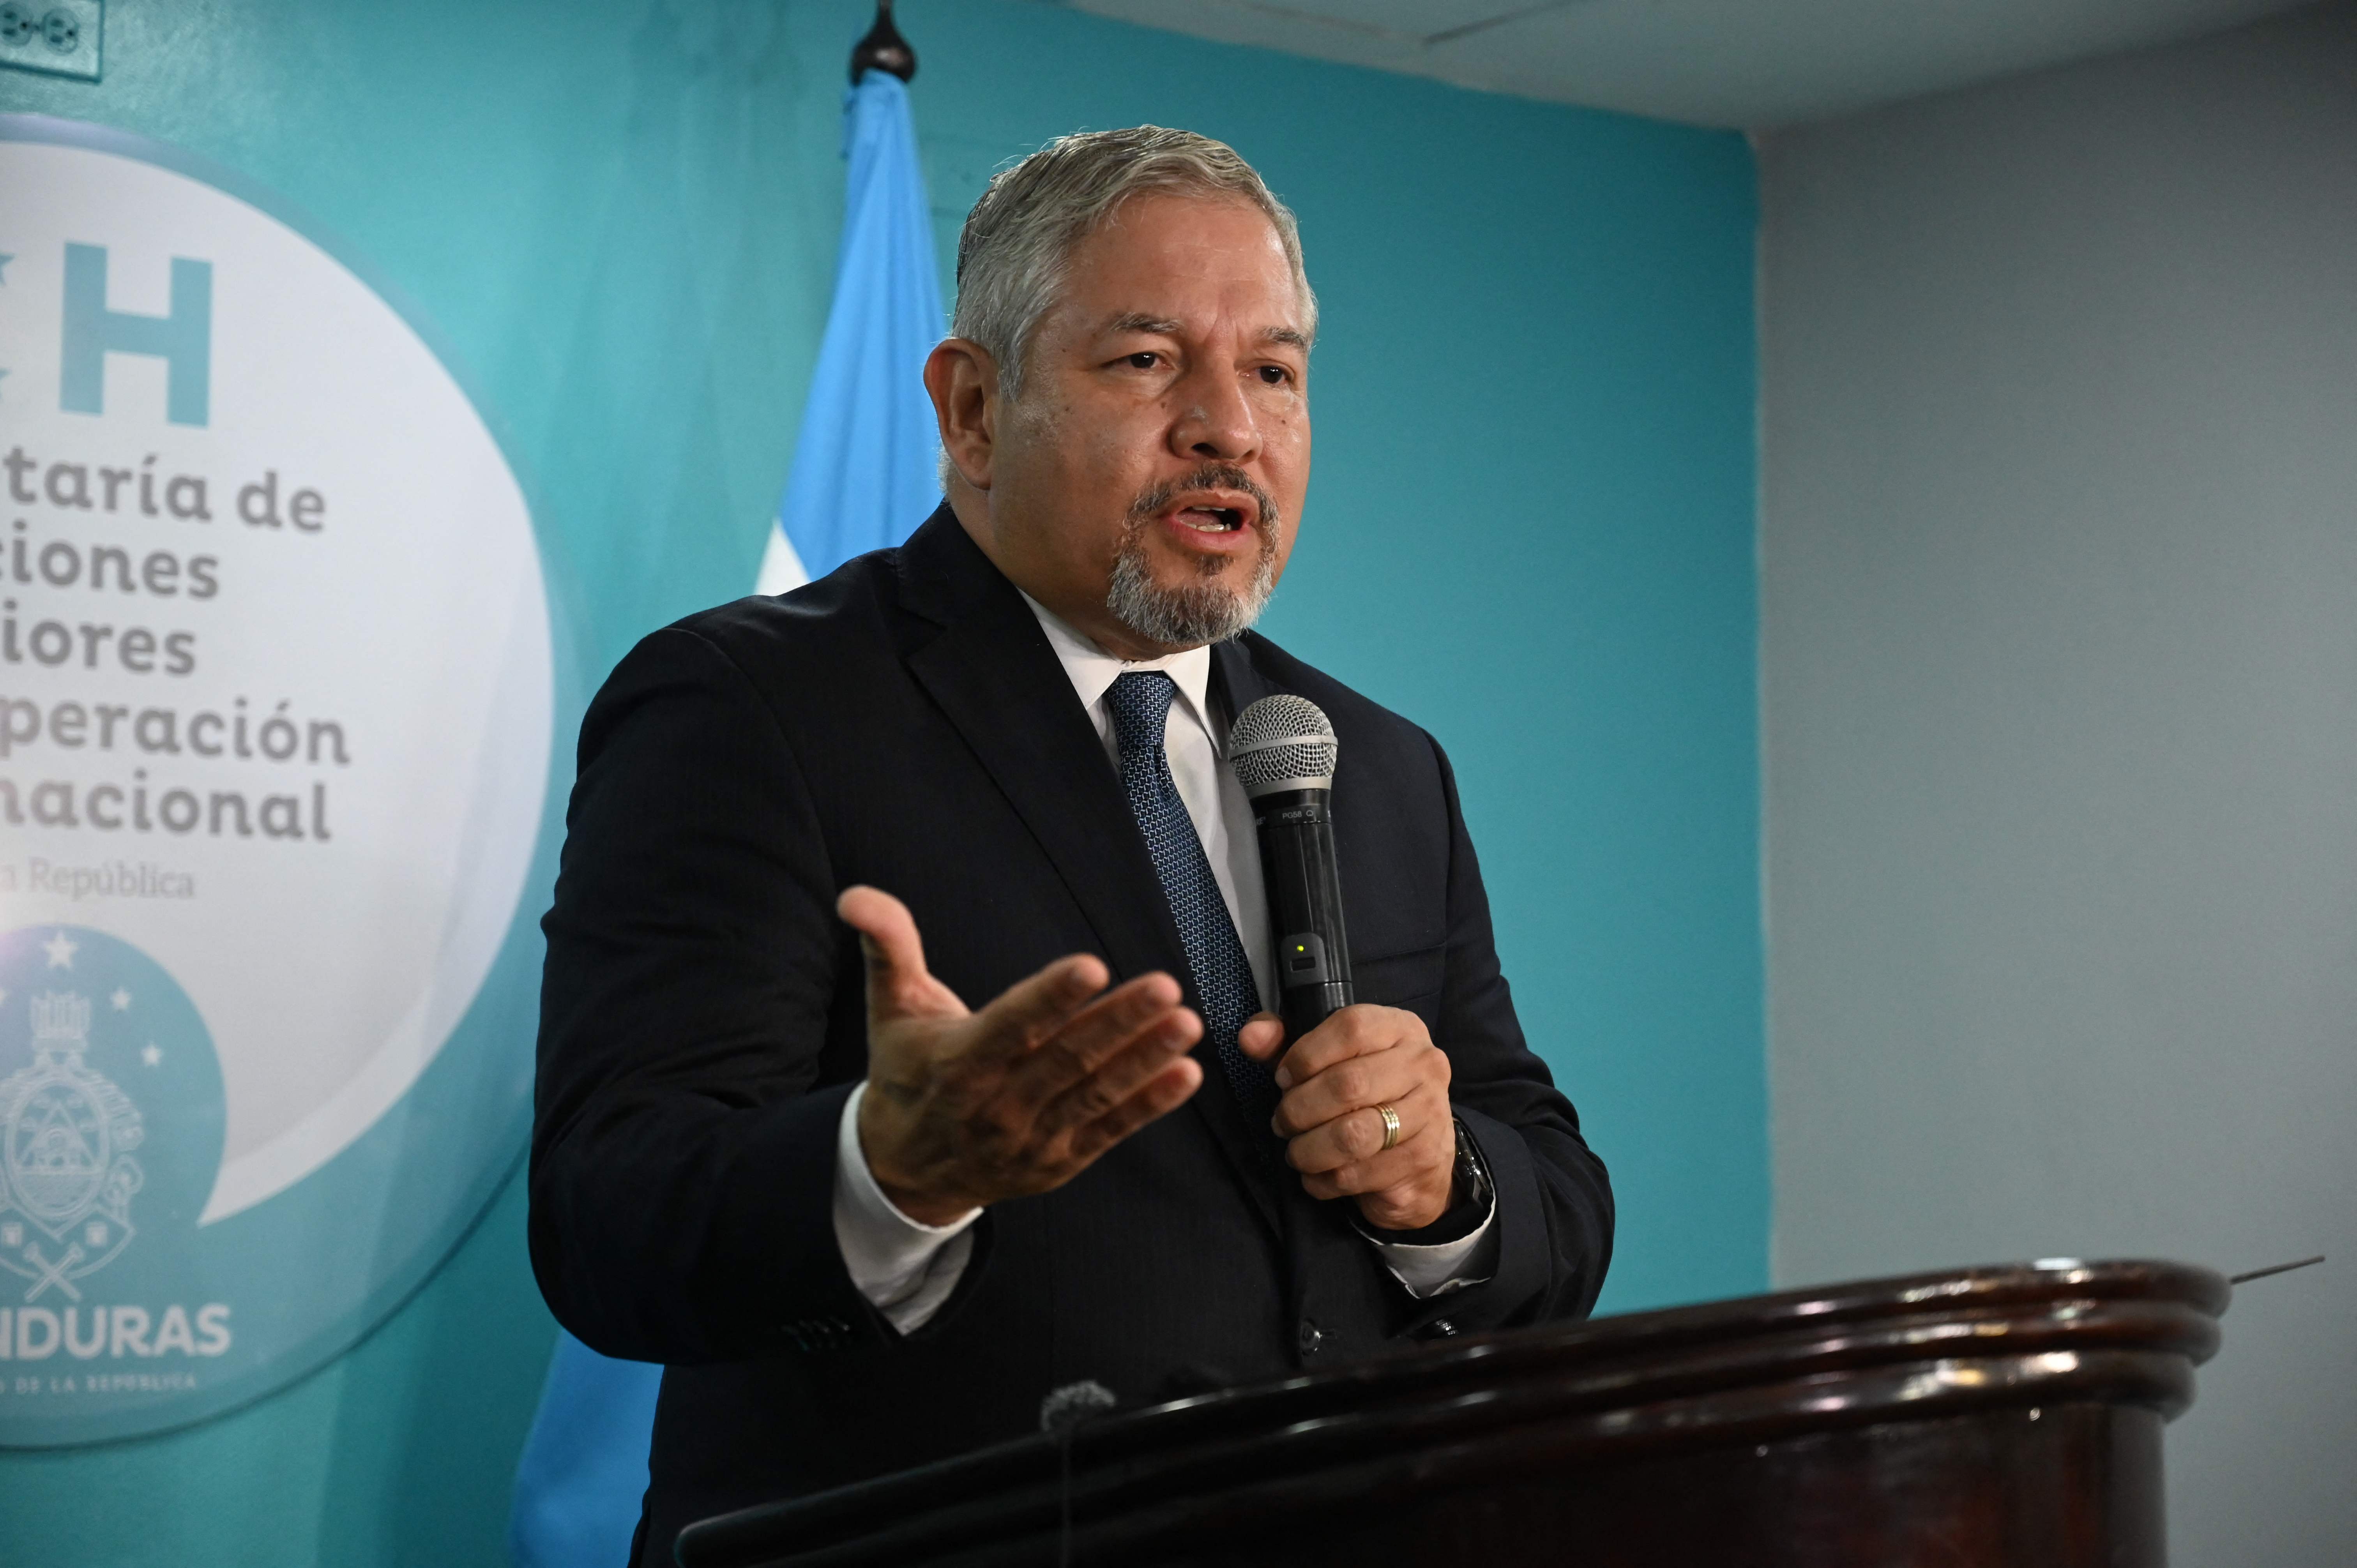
(1748,63)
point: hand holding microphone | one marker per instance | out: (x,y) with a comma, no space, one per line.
(1365,1109)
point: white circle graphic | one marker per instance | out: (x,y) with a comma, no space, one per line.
(275,677)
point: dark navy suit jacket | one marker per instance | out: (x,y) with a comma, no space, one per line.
(904,723)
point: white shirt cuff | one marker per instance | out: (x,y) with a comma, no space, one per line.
(904,1268)
(1444,1266)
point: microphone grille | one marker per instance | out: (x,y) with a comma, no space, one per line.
(1283,741)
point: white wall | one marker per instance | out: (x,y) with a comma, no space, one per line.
(2059,671)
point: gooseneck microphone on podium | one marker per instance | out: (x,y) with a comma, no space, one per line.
(1282,750)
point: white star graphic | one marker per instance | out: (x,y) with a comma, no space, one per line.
(122,1000)
(151,1054)
(60,948)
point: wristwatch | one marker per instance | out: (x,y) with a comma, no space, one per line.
(1474,1188)
(1470,1197)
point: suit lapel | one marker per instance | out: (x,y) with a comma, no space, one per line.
(1240,682)
(993,674)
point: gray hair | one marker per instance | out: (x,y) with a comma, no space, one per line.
(1019,238)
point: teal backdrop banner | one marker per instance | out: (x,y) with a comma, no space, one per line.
(1530,529)
(278,699)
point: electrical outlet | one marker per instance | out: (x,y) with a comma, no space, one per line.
(56,36)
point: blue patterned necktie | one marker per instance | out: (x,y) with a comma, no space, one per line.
(1140,705)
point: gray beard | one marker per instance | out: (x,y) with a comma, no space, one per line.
(1194,613)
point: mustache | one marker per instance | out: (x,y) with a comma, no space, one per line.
(1210,476)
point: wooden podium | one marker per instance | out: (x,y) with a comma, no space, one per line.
(1992,1418)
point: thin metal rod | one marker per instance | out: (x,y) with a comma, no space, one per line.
(2275,1269)
(1450,35)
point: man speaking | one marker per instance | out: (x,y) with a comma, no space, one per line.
(904,1048)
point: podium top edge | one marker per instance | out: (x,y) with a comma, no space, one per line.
(2140,1305)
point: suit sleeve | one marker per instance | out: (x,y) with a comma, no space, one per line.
(1554,1200)
(683,1161)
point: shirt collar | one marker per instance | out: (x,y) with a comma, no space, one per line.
(1092,670)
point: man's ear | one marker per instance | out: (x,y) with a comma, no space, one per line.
(961,379)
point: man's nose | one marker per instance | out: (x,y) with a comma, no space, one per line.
(1217,423)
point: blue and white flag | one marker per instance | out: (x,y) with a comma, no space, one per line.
(864,477)
(865,468)
(584,1470)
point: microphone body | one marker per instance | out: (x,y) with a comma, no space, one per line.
(1304,905)
(1283,752)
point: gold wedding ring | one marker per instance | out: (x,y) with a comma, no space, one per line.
(1391,1125)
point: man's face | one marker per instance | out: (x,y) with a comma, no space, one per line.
(1147,483)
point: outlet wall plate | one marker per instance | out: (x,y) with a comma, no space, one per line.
(57,38)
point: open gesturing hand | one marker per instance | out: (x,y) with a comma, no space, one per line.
(1333,1077)
(965,1107)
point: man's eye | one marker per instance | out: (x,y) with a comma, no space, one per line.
(1145,359)
(1275,375)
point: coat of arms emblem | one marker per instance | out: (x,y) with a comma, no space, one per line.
(66,1172)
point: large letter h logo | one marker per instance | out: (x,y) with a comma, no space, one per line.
(183,340)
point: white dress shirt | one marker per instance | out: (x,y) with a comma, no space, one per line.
(908,1270)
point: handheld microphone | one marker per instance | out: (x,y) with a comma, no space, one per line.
(1282,750)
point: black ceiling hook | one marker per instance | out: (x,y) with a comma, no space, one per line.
(882,49)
